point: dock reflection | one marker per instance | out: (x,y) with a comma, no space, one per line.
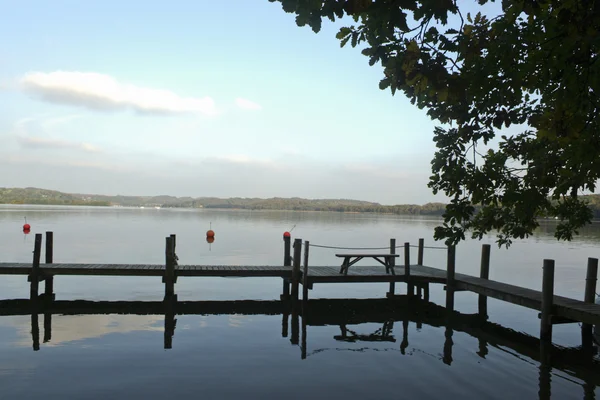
(580,362)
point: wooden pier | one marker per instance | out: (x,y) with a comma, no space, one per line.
(296,271)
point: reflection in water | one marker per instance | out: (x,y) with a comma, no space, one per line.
(578,362)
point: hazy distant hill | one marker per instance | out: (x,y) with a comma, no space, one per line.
(43,196)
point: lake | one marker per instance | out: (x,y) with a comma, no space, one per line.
(234,355)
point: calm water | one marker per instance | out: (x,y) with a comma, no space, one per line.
(235,356)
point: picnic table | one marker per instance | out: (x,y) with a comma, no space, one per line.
(387,260)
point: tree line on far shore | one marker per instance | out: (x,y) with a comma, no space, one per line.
(53,197)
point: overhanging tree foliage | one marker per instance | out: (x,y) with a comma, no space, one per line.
(533,65)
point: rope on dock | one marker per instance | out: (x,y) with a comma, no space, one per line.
(373,248)
(429,247)
(349,248)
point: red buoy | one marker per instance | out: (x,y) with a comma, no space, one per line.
(26,227)
(26,231)
(210,233)
(286,234)
(210,239)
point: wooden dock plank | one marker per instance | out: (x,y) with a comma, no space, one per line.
(563,307)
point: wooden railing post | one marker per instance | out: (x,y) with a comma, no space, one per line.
(169,277)
(296,268)
(547,301)
(484,273)
(305,274)
(34,278)
(393,264)
(420,253)
(450,272)
(410,288)
(49,281)
(287,262)
(589,297)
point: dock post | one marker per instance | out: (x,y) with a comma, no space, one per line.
(296,269)
(547,301)
(409,285)
(49,281)
(169,277)
(34,278)
(305,273)
(420,286)
(589,297)
(484,273)
(450,272)
(287,262)
(393,264)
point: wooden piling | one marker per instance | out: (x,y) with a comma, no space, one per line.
(450,273)
(410,288)
(169,277)
(296,268)
(420,253)
(393,264)
(287,258)
(287,262)
(547,301)
(49,281)
(305,274)
(589,297)
(35,268)
(407,259)
(484,273)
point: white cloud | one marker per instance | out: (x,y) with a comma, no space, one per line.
(44,143)
(103,92)
(245,104)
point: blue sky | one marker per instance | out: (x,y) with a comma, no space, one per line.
(199,98)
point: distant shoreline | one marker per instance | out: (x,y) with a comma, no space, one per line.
(36,196)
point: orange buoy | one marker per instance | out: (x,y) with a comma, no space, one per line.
(210,233)
(210,239)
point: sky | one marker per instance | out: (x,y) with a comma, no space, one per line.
(225,98)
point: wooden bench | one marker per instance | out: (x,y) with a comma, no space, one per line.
(387,260)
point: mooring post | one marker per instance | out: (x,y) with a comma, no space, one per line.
(409,286)
(591,278)
(169,277)
(35,268)
(296,269)
(484,273)
(393,264)
(287,262)
(450,272)
(420,262)
(49,281)
(305,274)
(547,301)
